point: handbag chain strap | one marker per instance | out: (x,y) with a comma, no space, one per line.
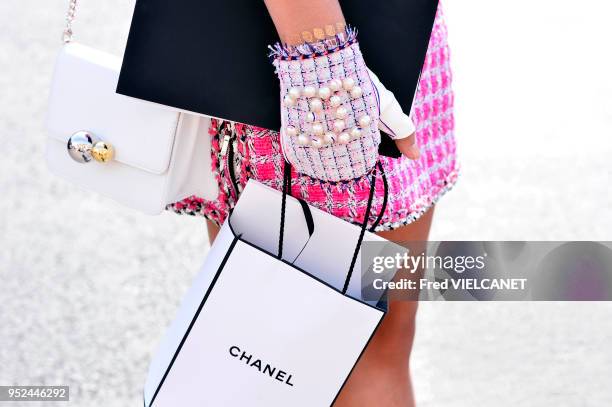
(67,35)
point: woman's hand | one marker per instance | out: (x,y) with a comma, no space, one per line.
(333,135)
(408,147)
(394,121)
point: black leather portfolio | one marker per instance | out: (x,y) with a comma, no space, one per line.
(211,57)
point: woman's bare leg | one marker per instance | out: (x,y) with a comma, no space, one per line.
(213,231)
(382,376)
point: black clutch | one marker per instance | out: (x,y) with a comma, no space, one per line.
(211,57)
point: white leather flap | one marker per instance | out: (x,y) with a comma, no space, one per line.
(83,98)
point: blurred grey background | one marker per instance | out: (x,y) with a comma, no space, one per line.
(87,287)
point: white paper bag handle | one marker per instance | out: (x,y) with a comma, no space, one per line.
(67,34)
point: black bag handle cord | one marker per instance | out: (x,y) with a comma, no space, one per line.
(364,226)
(286,189)
(383,207)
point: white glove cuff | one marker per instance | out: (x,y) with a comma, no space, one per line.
(395,122)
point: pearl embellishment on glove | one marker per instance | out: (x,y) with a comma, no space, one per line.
(335,101)
(342,112)
(316,105)
(325,93)
(291,131)
(317,142)
(364,121)
(310,91)
(294,93)
(344,138)
(339,125)
(330,95)
(317,129)
(303,140)
(329,137)
(335,85)
(348,83)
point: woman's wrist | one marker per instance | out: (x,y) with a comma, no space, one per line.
(300,21)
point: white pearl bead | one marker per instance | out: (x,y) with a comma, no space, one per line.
(311,117)
(288,101)
(335,101)
(310,91)
(335,85)
(294,93)
(325,93)
(316,105)
(356,92)
(355,132)
(317,129)
(348,83)
(291,131)
(344,138)
(364,121)
(303,140)
(317,142)
(329,137)
(341,112)
(339,125)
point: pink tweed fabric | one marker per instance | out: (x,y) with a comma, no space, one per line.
(414,186)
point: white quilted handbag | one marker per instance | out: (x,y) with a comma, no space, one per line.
(140,154)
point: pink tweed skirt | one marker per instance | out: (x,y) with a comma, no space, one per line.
(413,185)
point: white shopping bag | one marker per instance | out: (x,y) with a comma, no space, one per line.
(257,330)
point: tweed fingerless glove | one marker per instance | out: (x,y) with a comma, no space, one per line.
(329,108)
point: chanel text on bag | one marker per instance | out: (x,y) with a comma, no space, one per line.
(263,367)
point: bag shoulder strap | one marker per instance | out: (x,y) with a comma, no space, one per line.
(67,34)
